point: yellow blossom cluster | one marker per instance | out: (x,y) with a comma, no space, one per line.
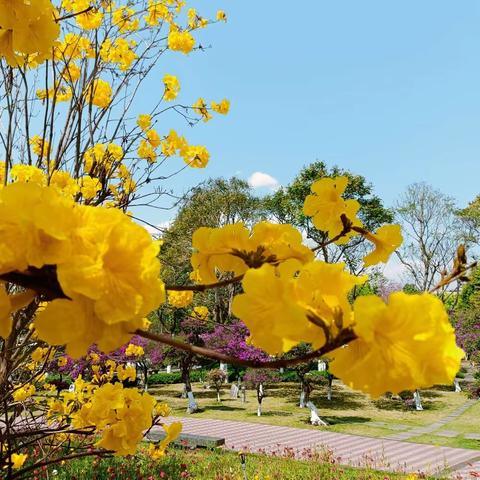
(180,41)
(23,392)
(40,146)
(133,350)
(405,344)
(234,248)
(126,373)
(326,207)
(125,19)
(180,299)
(121,415)
(195,156)
(287,305)
(200,312)
(99,93)
(120,52)
(172,87)
(27,29)
(105,264)
(201,108)
(333,214)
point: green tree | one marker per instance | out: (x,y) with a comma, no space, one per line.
(215,203)
(471,216)
(286,204)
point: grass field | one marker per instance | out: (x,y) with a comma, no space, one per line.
(214,465)
(348,411)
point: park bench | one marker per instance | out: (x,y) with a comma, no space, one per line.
(188,440)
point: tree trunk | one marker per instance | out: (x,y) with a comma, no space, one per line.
(145,376)
(418,400)
(260,395)
(330,382)
(192,404)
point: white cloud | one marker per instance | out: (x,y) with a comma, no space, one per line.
(157,229)
(260,179)
(394,270)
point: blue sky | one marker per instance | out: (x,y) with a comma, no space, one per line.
(389,90)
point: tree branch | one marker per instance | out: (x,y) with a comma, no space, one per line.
(343,338)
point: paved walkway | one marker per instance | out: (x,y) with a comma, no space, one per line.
(353,450)
(417,431)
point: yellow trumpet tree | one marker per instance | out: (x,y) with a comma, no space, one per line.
(76,269)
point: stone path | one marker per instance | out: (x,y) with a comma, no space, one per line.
(353,450)
(417,431)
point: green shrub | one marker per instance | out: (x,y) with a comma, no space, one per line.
(163,378)
(289,376)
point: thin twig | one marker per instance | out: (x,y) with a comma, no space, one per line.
(203,287)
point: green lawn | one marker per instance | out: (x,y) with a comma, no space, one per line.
(468,422)
(348,412)
(214,465)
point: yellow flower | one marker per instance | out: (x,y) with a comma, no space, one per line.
(23,393)
(180,41)
(223,107)
(406,344)
(121,415)
(71,73)
(157,11)
(121,52)
(62,361)
(196,156)
(172,87)
(99,93)
(35,224)
(124,19)
(180,299)
(90,20)
(39,354)
(221,16)
(146,151)
(172,433)
(144,121)
(40,146)
(153,138)
(90,187)
(126,373)
(283,306)
(200,107)
(387,239)
(115,151)
(172,143)
(18,459)
(111,275)
(233,249)
(200,312)
(64,183)
(133,350)
(27,28)
(27,173)
(326,206)
(73,47)
(162,410)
